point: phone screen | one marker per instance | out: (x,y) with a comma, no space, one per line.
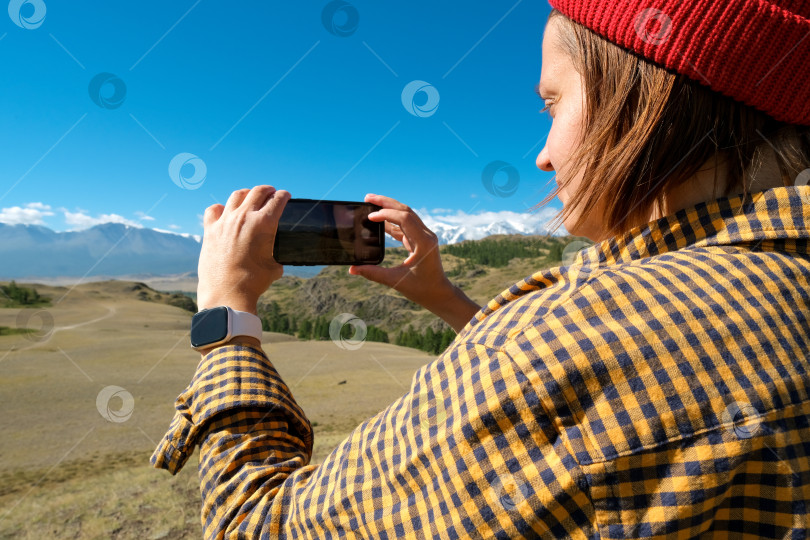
(314,232)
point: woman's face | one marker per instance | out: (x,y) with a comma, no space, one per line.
(562,89)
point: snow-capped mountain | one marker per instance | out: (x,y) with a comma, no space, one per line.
(110,249)
(454,227)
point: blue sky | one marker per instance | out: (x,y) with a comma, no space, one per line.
(262,92)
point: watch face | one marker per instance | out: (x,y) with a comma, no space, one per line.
(209,326)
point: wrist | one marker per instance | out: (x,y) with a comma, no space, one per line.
(224,325)
(234,302)
(454,306)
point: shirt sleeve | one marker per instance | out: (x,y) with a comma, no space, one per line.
(467,452)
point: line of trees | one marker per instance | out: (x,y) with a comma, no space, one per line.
(496,253)
(275,320)
(555,252)
(430,341)
(13,295)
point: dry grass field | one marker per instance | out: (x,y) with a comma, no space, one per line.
(67,472)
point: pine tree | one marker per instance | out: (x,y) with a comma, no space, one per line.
(305,329)
(447,338)
(20,295)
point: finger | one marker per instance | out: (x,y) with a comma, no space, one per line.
(236,199)
(270,215)
(386,202)
(408,221)
(212,213)
(377,274)
(258,197)
(274,205)
(415,257)
(397,217)
(407,244)
(280,197)
(394,230)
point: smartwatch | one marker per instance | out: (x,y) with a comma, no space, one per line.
(215,326)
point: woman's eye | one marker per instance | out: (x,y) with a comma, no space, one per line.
(547,108)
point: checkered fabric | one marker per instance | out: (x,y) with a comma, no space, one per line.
(656,387)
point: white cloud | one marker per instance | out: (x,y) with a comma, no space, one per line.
(39,206)
(174,227)
(31,214)
(142,216)
(81,220)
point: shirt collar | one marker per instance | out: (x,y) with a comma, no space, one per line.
(779,214)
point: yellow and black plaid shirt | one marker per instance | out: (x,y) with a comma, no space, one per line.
(656,387)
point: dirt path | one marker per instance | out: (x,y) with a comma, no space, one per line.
(111,310)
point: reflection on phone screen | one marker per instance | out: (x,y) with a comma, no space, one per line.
(325,232)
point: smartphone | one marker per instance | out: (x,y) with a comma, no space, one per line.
(319,233)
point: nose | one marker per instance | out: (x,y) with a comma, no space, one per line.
(543,160)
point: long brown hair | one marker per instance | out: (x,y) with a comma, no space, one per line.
(647,130)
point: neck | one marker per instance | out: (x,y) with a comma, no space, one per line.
(702,187)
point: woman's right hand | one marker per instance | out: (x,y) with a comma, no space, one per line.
(420,278)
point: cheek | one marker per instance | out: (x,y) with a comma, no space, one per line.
(564,142)
(561,146)
(564,139)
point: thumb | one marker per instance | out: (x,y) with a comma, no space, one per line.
(374,273)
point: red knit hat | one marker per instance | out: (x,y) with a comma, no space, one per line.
(755,51)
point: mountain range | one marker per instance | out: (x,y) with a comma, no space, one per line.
(114,249)
(110,249)
(451,233)
(454,226)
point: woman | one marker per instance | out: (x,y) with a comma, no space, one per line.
(658,386)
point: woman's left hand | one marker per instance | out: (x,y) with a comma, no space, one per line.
(420,278)
(236,261)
